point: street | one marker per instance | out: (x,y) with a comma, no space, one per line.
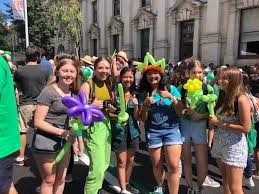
(26,178)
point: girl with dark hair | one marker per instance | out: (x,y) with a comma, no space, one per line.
(232,122)
(158,111)
(97,138)
(125,139)
(51,123)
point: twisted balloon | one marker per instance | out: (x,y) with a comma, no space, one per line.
(78,107)
(194,91)
(160,64)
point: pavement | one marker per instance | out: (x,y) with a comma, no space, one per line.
(27,179)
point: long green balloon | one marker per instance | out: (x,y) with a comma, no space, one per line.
(123,116)
(75,128)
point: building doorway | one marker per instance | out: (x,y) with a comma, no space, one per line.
(144,37)
(186,39)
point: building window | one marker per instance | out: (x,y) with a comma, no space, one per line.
(145,3)
(94,47)
(94,4)
(186,39)
(116,7)
(144,36)
(249,34)
(116,42)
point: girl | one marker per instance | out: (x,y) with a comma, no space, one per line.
(98,138)
(162,127)
(232,121)
(51,119)
(193,128)
(126,139)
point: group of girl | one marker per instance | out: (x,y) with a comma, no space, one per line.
(171,127)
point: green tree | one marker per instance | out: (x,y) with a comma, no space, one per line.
(67,16)
(40,24)
(5,42)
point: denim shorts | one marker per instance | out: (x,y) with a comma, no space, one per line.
(161,137)
(6,172)
(194,131)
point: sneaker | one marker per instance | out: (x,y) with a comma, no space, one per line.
(190,191)
(248,182)
(76,159)
(85,159)
(132,189)
(69,178)
(158,190)
(19,162)
(125,192)
(210,182)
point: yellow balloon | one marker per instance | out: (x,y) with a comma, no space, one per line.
(190,89)
(185,86)
(196,86)
(189,81)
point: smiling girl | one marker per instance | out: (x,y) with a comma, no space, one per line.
(126,138)
(162,127)
(97,138)
(232,122)
(50,120)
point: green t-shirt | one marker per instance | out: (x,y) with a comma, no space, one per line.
(9,130)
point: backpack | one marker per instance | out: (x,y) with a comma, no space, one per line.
(251,135)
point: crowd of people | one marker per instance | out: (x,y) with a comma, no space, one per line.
(155,97)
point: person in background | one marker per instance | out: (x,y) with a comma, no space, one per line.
(118,63)
(44,63)
(9,130)
(29,80)
(134,63)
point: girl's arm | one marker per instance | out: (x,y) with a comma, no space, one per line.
(244,116)
(144,112)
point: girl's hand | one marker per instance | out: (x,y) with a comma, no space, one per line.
(69,136)
(98,102)
(148,101)
(165,93)
(111,108)
(213,120)
(135,100)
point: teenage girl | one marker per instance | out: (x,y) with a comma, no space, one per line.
(230,146)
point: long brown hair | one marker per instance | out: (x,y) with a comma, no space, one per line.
(235,88)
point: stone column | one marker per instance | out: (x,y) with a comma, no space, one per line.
(232,40)
(196,34)
(102,51)
(173,51)
(135,40)
(211,41)
(84,27)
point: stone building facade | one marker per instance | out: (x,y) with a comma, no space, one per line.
(218,31)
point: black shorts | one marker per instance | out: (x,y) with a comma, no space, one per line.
(6,172)
(127,144)
(257,137)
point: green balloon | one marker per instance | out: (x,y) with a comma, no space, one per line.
(86,72)
(205,98)
(210,76)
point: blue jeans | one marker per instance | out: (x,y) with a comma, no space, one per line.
(249,167)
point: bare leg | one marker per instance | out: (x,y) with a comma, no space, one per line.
(121,169)
(202,162)
(172,156)
(130,162)
(157,163)
(187,154)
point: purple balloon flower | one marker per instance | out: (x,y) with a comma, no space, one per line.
(79,107)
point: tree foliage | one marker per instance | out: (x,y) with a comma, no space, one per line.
(40,24)
(4,33)
(67,16)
